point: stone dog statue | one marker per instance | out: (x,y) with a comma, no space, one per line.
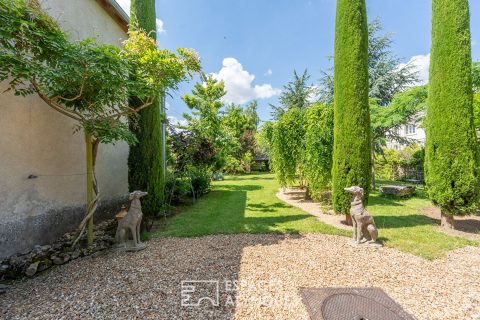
(130,224)
(364,228)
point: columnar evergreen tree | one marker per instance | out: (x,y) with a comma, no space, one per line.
(476,94)
(145,160)
(352,147)
(451,157)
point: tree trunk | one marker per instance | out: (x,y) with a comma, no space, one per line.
(90,185)
(447,221)
(348,220)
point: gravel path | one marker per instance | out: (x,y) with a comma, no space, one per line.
(296,198)
(268,270)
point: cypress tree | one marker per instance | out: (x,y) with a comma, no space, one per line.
(145,160)
(352,145)
(451,156)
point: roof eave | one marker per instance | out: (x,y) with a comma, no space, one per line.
(116,12)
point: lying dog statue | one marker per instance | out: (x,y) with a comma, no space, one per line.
(364,228)
(130,224)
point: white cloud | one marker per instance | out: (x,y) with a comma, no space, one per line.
(421,64)
(238,83)
(177,122)
(268,73)
(314,95)
(160,28)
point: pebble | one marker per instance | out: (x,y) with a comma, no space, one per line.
(258,277)
(3,288)
(32,269)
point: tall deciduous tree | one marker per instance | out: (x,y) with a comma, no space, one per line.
(206,103)
(352,144)
(145,160)
(451,156)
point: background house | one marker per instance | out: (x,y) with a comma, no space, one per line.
(42,163)
(412,132)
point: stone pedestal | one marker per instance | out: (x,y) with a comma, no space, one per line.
(364,244)
(130,246)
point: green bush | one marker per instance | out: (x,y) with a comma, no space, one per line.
(177,188)
(388,164)
(317,154)
(264,138)
(232,165)
(287,146)
(247,161)
(200,182)
(259,167)
(352,142)
(181,186)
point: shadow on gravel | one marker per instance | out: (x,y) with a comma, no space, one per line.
(174,278)
(222,270)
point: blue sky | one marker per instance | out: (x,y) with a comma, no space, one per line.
(254,45)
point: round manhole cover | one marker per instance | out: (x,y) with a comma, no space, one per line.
(348,306)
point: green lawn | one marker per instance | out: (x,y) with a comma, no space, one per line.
(247,204)
(402,225)
(243,204)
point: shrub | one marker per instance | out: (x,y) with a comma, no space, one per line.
(200,182)
(318,141)
(287,146)
(247,161)
(259,167)
(388,164)
(176,188)
(232,165)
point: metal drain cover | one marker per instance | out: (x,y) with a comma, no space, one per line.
(351,304)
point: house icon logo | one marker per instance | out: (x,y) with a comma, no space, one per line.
(194,293)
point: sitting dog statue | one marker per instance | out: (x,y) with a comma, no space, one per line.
(130,224)
(364,228)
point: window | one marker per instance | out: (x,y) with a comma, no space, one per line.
(410,129)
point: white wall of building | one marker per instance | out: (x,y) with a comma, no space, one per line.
(412,131)
(38,141)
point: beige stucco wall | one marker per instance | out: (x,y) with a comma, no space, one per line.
(36,140)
